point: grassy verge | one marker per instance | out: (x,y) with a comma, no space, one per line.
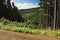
(12,26)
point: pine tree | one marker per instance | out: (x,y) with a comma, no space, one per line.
(9,11)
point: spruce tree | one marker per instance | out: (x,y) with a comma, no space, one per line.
(9,11)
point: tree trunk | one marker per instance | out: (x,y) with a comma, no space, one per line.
(54,27)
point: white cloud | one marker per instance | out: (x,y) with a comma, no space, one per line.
(12,0)
(26,5)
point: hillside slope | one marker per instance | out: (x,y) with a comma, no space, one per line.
(34,16)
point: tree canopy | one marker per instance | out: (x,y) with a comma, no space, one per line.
(9,11)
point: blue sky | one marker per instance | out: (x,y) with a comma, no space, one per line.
(26,4)
(28,1)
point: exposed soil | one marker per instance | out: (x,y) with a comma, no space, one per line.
(8,35)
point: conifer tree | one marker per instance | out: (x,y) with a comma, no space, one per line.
(9,11)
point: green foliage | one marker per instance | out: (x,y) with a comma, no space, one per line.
(34,17)
(9,11)
(33,20)
(20,27)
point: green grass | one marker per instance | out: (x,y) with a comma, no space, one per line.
(21,27)
(13,27)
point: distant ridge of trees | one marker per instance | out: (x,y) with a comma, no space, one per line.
(29,10)
(9,11)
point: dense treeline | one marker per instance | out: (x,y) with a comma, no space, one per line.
(36,18)
(52,8)
(9,11)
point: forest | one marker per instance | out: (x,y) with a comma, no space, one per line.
(43,20)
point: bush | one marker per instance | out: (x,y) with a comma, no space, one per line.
(26,28)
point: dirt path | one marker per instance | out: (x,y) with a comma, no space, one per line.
(8,35)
